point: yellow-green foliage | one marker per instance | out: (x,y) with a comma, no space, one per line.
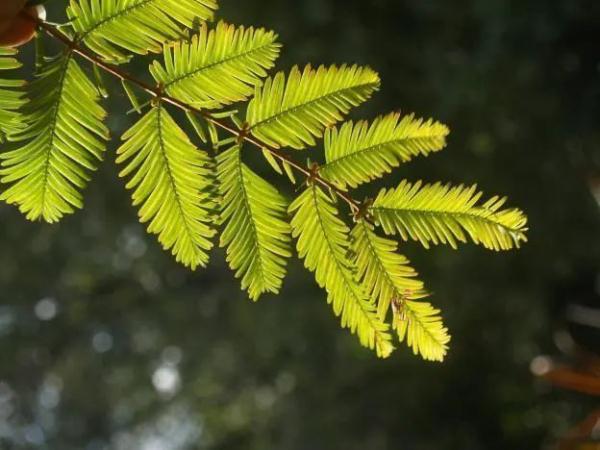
(293,112)
(324,244)
(115,28)
(11,96)
(63,141)
(171,181)
(256,233)
(438,213)
(389,278)
(218,66)
(361,152)
(54,137)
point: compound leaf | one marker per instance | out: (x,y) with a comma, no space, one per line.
(114,28)
(217,67)
(358,152)
(437,213)
(293,112)
(64,141)
(256,235)
(173,185)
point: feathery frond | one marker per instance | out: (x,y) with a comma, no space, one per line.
(256,235)
(385,273)
(389,277)
(11,96)
(444,214)
(217,67)
(293,113)
(358,152)
(420,324)
(172,183)
(139,26)
(65,140)
(323,243)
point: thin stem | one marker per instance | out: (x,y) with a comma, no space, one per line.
(158,93)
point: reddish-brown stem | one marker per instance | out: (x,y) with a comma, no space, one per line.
(156,92)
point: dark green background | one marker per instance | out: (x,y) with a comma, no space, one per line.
(518,82)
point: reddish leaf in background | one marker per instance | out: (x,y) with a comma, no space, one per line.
(16,24)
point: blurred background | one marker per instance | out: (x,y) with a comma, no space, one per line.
(107,344)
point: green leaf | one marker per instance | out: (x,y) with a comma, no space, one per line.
(8,60)
(420,324)
(256,235)
(172,183)
(444,214)
(64,141)
(323,243)
(217,67)
(293,113)
(358,153)
(389,277)
(137,26)
(12,97)
(128,88)
(385,274)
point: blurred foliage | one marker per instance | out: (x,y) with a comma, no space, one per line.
(107,343)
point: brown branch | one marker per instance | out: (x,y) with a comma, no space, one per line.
(156,92)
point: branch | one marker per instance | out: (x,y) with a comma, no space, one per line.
(156,92)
